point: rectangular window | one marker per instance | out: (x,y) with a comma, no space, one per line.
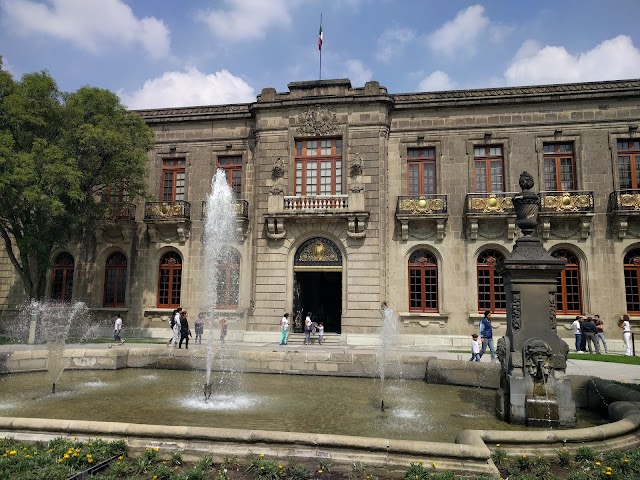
(232,167)
(559,167)
(421,166)
(319,167)
(489,169)
(173,180)
(629,164)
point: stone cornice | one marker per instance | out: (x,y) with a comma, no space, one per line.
(525,94)
(195,113)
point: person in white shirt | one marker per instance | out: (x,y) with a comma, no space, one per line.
(284,329)
(117,328)
(308,326)
(175,328)
(577,330)
(475,348)
(625,325)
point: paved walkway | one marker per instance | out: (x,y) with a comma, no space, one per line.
(612,371)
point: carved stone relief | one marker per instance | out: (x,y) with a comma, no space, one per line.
(516,312)
(317,120)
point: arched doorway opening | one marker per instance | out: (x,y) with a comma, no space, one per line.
(317,284)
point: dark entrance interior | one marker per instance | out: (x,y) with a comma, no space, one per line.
(321,294)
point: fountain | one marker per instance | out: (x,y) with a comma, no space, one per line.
(534,388)
(388,336)
(219,235)
(54,320)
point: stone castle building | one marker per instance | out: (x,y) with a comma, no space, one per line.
(352,198)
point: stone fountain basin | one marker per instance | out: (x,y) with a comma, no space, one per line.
(470,453)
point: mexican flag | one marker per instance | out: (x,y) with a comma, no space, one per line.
(320,35)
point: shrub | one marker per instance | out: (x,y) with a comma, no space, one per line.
(586,454)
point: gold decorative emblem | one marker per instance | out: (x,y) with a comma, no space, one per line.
(421,205)
(490,204)
(630,201)
(567,202)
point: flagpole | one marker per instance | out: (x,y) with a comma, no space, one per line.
(320,46)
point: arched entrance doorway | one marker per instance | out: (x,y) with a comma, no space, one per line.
(317,284)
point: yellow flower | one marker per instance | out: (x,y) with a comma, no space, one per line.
(75,438)
(598,464)
(607,472)
(420,462)
(4,454)
(626,460)
(59,460)
(434,464)
(120,457)
(12,452)
(155,477)
(524,456)
(155,449)
(66,455)
(27,456)
(90,460)
(319,471)
(261,455)
(497,444)
(279,466)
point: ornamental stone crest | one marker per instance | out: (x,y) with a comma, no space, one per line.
(317,120)
(516,312)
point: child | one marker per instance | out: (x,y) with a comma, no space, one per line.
(320,333)
(475,348)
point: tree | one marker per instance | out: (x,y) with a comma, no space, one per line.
(59,154)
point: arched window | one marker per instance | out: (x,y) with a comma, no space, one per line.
(632,280)
(169,280)
(62,287)
(228,280)
(423,282)
(491,294)
(568,293)
(115,280)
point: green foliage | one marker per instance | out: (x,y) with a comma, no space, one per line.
(586,454)
(176,458)
(295,471)
(324,466)
(500,458)
(59,155)
(564,458)
(265,469)
(416,471)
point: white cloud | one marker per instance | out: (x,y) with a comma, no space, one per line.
(437,80)
(190,88)
(392,41)
(357,72)
(461,34)
(93,25)
(613,59)
(247,19)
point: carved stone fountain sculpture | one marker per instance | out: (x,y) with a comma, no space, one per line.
(534,387)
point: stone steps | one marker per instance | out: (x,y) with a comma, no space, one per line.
(331,339)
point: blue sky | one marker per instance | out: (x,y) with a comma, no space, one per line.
(169,53)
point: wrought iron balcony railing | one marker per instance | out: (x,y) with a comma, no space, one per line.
(421,205)
(627,200)
(566,202)
(177,210)
(316,202)
(120,212)
(490,203)
(242,209)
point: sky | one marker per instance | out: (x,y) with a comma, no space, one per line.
(170,53)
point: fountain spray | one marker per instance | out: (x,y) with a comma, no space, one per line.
(219,235)
(388,334)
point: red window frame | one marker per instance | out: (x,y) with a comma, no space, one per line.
(232,167)
(421,171)
(115,280)
(491,292)
(632,281)
(312,159)
(62,277)
(423,282)
(489,168)
(173,179)
(228,280)
(559,167)
(629,164)
(169,280)
(568,292)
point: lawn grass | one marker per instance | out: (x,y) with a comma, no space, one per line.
(607,357)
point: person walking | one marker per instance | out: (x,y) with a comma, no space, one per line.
(284,329)
(486,335)
(625,325)
(600,335)
(475,348)
(577,331)
(117,329)
(175,326)
(320,333)
(308,326)
(223,329)
(185,333)
(590,331)
(199,326)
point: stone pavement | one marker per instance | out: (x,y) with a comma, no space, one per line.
(606,370)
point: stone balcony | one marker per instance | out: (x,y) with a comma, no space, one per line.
(624,212)
(118,222)
(566,214)
(422,216)
(284,209)
(242,218)
(490,215)
(168,221)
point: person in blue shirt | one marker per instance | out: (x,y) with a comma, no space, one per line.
(486,335)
